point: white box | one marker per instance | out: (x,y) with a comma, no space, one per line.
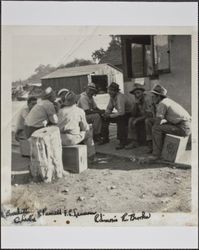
(75,158)
(174,147)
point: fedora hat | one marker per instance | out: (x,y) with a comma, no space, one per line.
(70,99)
(137,87)
(92,86)
(159,90)
(114,86)
(62,91)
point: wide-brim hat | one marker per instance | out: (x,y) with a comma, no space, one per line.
(159,90)
(92,86)
(70,99)
(62,91)
(137,87)
(114,86)
(48,92)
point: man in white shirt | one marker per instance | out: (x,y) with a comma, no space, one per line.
(171,118)
(73,126)
(20,125)
(42,114)
(93,113)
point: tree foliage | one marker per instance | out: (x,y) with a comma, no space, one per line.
(114,44)
(75,63)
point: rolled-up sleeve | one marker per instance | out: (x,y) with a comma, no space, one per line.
(161,110)
(83,103)
(110,106)
(83,123)
(52,114)
(120,107)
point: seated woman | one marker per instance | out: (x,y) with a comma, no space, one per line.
(73,125)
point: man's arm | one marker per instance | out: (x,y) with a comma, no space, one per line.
(120,107)
(52,116)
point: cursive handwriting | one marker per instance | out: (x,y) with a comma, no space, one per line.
(24,218)
(101,218)
(132,217)
(17,212)
(74,212)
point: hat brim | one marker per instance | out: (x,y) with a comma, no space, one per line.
(115,89)
(157,93)
(94,89)
(132,91)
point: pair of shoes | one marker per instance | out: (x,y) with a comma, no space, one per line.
(120,146)
(97,138)
(153,157)
(103,141)
(132,145)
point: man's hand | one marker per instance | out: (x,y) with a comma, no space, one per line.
(106,116)
(163,121)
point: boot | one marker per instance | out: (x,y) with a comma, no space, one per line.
(132,144)
(150,147)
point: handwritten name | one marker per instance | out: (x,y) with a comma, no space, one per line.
(99,217)
(24,218)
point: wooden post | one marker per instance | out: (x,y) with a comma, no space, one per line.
(46,154)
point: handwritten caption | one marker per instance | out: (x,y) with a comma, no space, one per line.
(25,215)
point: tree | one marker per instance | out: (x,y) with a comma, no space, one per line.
(40,71)
(76,63)
(115,44)
(97,55)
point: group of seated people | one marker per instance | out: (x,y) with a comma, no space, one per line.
(81,121)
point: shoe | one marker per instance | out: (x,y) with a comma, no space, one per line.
(132,145)
(103,141)
(120,146)
(150,147)
(153,157)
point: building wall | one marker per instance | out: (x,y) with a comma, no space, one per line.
(178,81)
(75,83)
(78,83)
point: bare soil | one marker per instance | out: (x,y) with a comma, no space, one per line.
(114,185)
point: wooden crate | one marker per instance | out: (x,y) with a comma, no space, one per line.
(75,158)
(174,147)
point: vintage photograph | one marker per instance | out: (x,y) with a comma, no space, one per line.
(101,123)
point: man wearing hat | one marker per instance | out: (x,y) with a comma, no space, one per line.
(93,113)
(73,125)
(42,114)
(20,125)
(123,106)
(143,110)
(171,118)
(61,95)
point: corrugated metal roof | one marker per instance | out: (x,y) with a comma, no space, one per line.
(77,71)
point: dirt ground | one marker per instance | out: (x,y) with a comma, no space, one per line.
(114,185)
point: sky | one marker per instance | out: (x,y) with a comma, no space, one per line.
(29,50)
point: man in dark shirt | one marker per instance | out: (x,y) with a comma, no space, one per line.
(123,105)
(142,113)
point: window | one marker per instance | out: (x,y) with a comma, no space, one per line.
(146,56)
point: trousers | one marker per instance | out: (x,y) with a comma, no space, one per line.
(96,121)
(84,137)
(122,127)
(159,132)
(135,132)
